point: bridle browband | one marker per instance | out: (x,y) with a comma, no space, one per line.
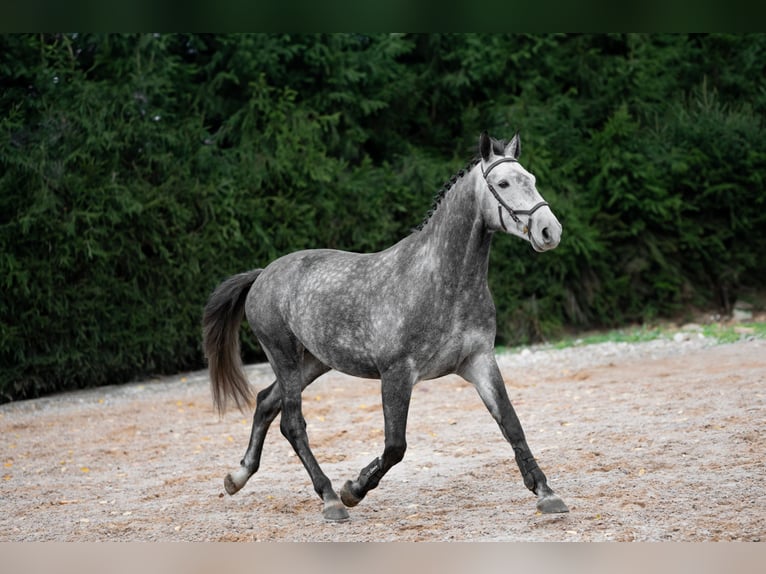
(514,213)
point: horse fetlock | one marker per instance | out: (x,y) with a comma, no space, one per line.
(534,479)
(531,473)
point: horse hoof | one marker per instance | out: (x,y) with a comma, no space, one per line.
(347,496)
(335,512)
(551,504)
(230,486)
(235,480)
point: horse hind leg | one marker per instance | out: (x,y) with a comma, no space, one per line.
(293,427)
(287,359)
(396,392)
(268,405)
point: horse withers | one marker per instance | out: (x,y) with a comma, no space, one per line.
(419,310)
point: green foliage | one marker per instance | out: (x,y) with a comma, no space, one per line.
(722,333)
(731,333)
(137,171)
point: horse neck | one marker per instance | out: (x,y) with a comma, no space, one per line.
(455,242)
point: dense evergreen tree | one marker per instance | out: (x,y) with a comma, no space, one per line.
(137,171)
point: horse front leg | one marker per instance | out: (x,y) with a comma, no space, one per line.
(396,389)
(484,374)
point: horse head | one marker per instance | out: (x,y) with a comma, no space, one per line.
(512,202)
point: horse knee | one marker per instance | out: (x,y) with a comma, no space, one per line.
(393,454)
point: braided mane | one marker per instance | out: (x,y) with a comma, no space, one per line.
(498,146)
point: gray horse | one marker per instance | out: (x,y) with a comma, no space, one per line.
(418,310)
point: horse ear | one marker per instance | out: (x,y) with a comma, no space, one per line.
(513,149)
(485,145)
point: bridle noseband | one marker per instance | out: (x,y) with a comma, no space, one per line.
(514,213)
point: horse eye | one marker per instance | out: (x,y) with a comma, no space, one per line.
(503,184)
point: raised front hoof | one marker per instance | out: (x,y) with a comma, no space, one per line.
(551,504)
(335,512)
(347,495)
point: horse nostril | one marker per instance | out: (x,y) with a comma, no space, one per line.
(546,235)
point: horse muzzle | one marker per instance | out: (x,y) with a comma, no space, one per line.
(544,230)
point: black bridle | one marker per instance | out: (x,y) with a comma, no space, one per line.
(514,213)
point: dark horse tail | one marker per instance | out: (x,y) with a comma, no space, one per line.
(220,325)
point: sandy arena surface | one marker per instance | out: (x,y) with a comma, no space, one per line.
(657,441)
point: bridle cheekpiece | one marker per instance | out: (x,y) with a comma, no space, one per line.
(514,213)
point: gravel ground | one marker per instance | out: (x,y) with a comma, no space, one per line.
(652,441)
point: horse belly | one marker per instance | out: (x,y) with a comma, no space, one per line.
(444,355)
(355,345)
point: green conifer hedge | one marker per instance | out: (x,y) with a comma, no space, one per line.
(137,171)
